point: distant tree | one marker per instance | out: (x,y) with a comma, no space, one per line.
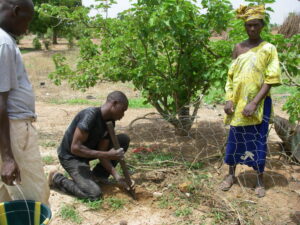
(42,23)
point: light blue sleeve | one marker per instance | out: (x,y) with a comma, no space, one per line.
(8,74)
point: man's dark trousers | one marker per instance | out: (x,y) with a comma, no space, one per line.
(82,184)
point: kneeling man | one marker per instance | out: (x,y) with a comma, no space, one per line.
(87,139)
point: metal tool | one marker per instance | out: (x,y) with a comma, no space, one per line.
(116,145)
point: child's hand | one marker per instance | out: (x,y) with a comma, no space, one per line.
(228,108)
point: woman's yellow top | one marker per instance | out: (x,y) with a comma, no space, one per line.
(246,75)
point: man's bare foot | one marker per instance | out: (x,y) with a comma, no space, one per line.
(51,175)
(227,183)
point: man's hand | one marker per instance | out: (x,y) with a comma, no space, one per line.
(250,109)
(122,183)
(113,154)
(228,108)
(10,172)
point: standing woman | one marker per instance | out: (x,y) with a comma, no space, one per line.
(254,70)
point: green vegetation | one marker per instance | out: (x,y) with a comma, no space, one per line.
(36,44)
(48,160)
(153,159)
(215,96)
(26,50)
(50,28)
(183,212)
(166,201)
(166,55)
(139,103)
(133,103)
(115,203)
(75,101)
(93,205)
(284,89)
(68,212)
(49,144)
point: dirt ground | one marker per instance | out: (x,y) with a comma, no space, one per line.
(211,206)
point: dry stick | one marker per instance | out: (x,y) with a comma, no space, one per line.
(142,117)
(233,209)
(294,83)
(116,145)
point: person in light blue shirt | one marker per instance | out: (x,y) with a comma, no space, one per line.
(20,160)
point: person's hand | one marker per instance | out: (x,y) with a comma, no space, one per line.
(250,109)
(122,183)
(228,108)
(10,172)
(115,154)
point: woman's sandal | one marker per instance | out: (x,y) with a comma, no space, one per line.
(260,191)
(227,183)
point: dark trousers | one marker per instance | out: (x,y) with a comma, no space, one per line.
(82,184)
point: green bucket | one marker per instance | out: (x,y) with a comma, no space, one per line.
(16,213)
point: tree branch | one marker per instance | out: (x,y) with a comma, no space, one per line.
(293,82)
(168,57)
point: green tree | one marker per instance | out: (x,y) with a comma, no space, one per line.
(162,46)
(42,22)
(165,48)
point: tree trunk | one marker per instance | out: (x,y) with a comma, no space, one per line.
(54,37)
(184,123)
(290,136)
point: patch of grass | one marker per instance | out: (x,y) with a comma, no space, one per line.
(68,212)
(138,103)
(183,212)
(153,158)
(74,101)
(93,205)
(49,144)
(115,203)
(218,216)
(166,201)
(48,159)
(27,50)
(195,165)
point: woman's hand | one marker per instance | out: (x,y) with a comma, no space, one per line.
(228,108)
(250,109)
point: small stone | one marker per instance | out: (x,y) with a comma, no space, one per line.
(157,194)
(123,222)
(188,195)
(90,97)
